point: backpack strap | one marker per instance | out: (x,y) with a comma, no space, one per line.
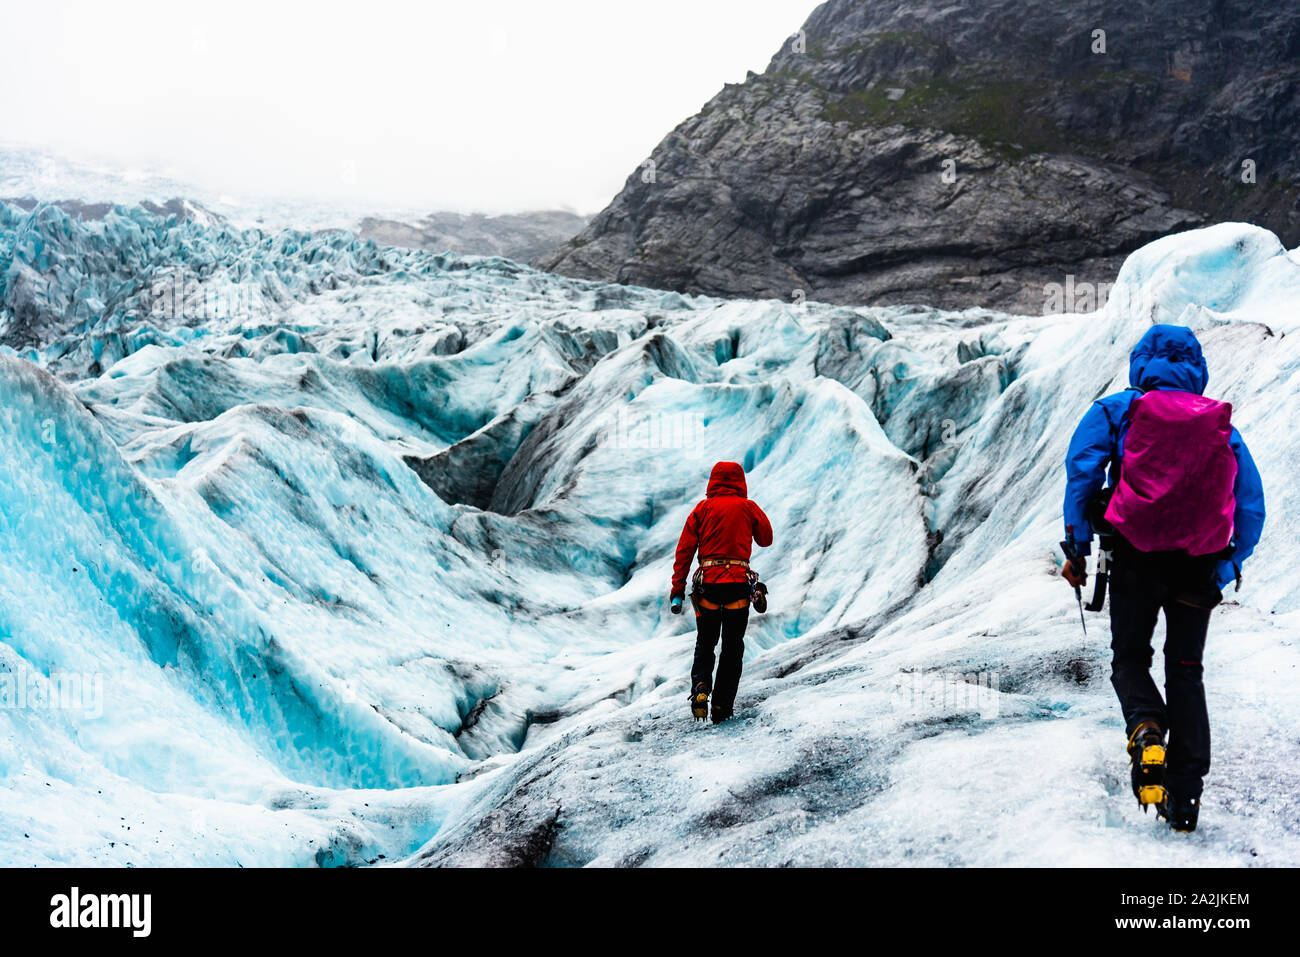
(1120,429)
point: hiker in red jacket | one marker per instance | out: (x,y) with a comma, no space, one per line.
(722,528)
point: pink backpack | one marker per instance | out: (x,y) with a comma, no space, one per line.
(1176,474)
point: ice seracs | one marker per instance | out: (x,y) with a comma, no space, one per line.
(372,552)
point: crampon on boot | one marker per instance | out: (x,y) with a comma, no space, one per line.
(1146,751)
(700,702)
(1181,813)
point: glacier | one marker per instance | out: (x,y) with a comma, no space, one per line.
(320,552)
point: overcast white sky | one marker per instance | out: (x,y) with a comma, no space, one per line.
(493,105)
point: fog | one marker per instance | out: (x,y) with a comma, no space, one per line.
(495,106)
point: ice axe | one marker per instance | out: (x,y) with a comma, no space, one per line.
(1071,551)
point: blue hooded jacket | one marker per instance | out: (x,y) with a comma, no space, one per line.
(1167,357)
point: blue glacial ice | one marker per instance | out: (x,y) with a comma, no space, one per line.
(332,553)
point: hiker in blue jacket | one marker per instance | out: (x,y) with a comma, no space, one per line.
(1161,474)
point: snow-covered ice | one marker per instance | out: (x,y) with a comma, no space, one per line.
(319,552)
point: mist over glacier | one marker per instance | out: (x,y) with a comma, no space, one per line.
(369,550)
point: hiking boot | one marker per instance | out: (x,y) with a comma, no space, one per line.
(700,702)
(720,714)
(1146,751)
(1180,812)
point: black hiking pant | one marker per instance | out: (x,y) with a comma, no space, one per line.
(1183,586)
(729,623)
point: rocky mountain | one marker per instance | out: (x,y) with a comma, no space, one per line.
(962,155)
(517,236)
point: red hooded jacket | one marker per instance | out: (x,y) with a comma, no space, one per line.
(724,525)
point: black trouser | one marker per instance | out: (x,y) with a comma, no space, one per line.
(1184,587)
(730,623)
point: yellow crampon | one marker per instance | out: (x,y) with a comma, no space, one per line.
(1148,767)
(700,705)
(1153,766)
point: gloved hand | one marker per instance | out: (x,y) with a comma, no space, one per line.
(676,604)
(1076,575)
(1227,573)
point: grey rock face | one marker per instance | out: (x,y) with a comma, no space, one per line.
(964,155)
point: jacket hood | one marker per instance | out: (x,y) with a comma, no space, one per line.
(1168,357)
(727,478)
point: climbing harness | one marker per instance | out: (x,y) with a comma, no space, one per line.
(757,590)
